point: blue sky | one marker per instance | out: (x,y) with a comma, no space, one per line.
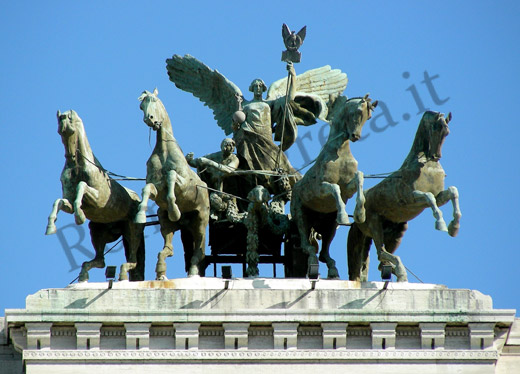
(97,57)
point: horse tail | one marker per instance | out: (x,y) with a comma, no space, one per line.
(358,247)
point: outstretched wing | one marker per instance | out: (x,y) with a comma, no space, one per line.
(321,82)
(211,87)
(285,32)
(302,33)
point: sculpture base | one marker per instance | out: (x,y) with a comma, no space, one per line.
(293,325)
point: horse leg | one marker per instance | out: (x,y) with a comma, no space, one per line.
(173,210)
(326,238)
(83,189)
(428,199)
(167,230)
(137,274)
(59,204)
(363,274)
(442,198)
(358,247)
(149,192)
(304,229)
(356,185)
(100,234)
(252,223)
(384,256)
(198,233)
(327,188)
(132,241)
(187,246)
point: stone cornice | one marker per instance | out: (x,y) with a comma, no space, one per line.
(194,315)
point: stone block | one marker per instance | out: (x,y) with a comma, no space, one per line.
(433,335)
(88,335)
(383,335)
(236,335)
(481,335)
(285,335)
(514,334)
(187,335)
(38,335)
(137,335)
(334,335)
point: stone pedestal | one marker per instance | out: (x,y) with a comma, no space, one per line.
(198,325)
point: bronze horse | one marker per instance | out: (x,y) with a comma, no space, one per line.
(402,196)
(318,199)
(178,191)
(88,192)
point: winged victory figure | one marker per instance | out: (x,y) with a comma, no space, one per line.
(307,101)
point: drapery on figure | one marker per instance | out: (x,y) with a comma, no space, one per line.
(254,136)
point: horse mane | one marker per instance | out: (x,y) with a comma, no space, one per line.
(338,108)
(148,93)
(421,140)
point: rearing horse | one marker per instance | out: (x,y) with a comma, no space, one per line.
(178,191)
(402,196)
(318,199)
(88,192)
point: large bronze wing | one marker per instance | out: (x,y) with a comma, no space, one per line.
(211,87)
(320,83)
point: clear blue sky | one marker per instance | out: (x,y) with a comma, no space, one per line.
(97,57)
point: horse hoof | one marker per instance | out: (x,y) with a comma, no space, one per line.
(194,271)
(333,273)
(252,273)
(441,226)
(174,214)
(51,229)
(140,217)
(400,273)
(453,229)
(79,217)
(83,277)
(161,277)
(123,276)
(342,219)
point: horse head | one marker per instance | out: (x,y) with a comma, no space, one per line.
(433,129)
(154,112)
(70,128)
(352,115)
(259,196)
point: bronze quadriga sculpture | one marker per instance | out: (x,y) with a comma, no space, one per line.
(89,192)
(178,191)
(244,199)
(318,199)
(417,185)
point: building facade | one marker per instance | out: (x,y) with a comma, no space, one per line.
(289,325)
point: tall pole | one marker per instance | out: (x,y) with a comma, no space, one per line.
(292,42)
